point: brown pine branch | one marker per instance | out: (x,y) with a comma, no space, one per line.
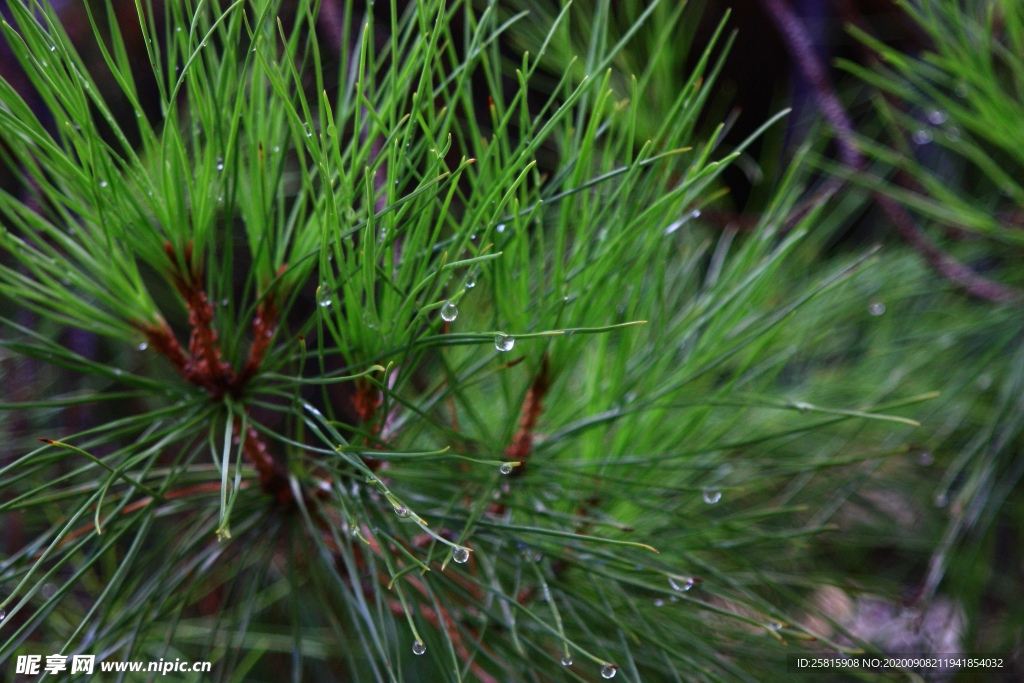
(522,443)
(801,49)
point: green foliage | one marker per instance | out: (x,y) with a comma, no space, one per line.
(336,432)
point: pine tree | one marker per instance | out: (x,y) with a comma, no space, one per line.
(418,360)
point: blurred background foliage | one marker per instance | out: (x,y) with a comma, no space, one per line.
(925,524)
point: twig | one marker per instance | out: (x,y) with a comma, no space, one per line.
(522,443)
(800,47)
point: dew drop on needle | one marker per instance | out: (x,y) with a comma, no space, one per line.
(711,497)
(461,555)
(418,648)
(608,671)
(504,342)
(505,468)
(567,660)
(449,312)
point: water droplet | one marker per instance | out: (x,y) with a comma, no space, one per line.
(223,302)
(937,117)
(941,500)
(43,62)
(402,512)
(673,598)
(924,458)
(501,227)
(504,342)
(695,214)
(461,555)
(961,90)
(680,583)
(984,381)
(608,671)
(269,333)
(658,602)
(470,281)
(506,468)
(922,137)
(52,48)
(177,29)
(953,134)
(877,308)
(712,497)
(118,371)
(103,183)
(277,148)
(143,346)
(418,648)
(472,237)
(368,320)
(449,312)
(567,660)
(49,590)
(220,167)
(324,297)
(774,625)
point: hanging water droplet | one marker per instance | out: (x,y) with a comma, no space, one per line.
(673,598)
(712,496)
(118,371)
(368,320)
(941,500)
(177,29)
(3,614)
(680,583)
(506,468)
(774,625)
(504,342)
(877,308)
(924,458)
(220,167)
(608,671)
(49,590)
(922,137)
(103,183)
(695,214)
(418,648)
(324,297)
(277,148)
(143,346)
(470,281)
(961,90)
(984,381)
(937,116)
(658,602)
(501,227)
(401,512)
(223,302)
(449,312)
(52,48)
(43,62)
(461,555)
(567,660)
(953,134)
